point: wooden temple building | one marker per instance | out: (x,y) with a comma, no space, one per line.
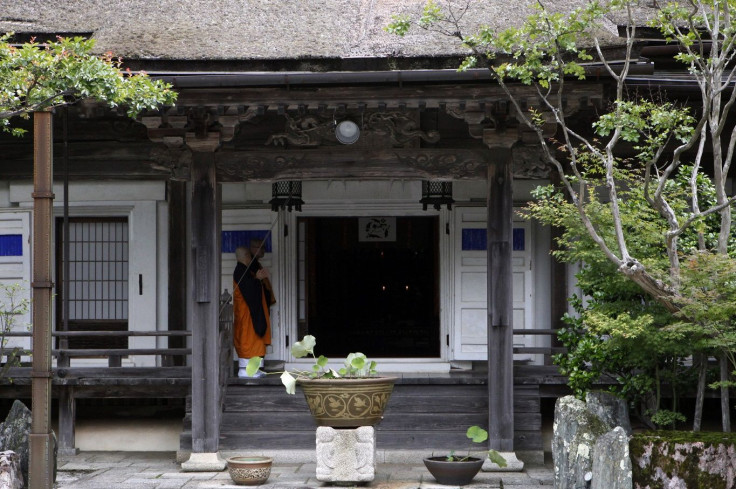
(405,244)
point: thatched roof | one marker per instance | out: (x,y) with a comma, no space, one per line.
(255,30)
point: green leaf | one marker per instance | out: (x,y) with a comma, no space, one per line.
(304,347)
(289,382)
(468,62)
(496,458)
(254,363)
(431,14)
(477,434)
(399,25)
(358,361)
(36,77)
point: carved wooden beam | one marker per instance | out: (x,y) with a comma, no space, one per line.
(173,156)
(456,164)
(392,129)
(529,162)
(496,139)
(197,127)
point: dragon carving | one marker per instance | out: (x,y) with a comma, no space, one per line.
(313,130)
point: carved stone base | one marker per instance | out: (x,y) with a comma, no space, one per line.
(346,455)
(11,476)
(204,462)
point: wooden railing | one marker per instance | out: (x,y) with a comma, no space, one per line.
(114,355)
(226,342)
(539,350)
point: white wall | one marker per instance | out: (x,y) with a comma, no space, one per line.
(15,271)
(143,203)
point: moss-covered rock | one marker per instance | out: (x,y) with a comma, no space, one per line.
(575,432)
(683,460)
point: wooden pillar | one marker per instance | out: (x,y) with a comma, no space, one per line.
(177,197)
(500,297)
(67,418)
(558,281)
(41,443)
(203,294)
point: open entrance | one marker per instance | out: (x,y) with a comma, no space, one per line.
(370,284)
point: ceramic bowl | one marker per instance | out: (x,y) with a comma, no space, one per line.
(249,470)
(456,473)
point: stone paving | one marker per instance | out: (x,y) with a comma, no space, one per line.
(160,470)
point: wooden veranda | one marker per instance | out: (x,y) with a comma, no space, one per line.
(426,411)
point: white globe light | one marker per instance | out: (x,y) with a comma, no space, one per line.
(347,132)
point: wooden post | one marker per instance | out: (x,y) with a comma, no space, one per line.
(204,271)
(558,281)
(67,418)
(177,192)
(203,284)
(500,297)
(41,443)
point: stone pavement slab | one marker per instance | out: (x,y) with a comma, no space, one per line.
(159,470)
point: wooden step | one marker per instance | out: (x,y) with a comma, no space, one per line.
(393,421)
(418,416)
(389,440)
(407,398)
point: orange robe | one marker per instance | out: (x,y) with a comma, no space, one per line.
(245,339)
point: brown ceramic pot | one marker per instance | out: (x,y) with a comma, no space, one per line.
(455,473)
(347,403)
(250,470)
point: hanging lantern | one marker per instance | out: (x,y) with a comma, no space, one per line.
(436,194)
(347,132)
(286,195)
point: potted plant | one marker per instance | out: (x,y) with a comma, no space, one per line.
(457,470)
(353,396)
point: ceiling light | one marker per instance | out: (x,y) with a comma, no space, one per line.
(347,132)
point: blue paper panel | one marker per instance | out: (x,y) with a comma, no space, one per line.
(233,239)
(518,239)
(475,239)
(11,245)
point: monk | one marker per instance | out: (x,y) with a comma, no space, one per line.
(258,251)
(251,322)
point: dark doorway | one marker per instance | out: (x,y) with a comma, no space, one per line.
(370,285)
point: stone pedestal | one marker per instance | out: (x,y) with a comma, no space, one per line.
(204,462)
(346,455)
(11,476)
